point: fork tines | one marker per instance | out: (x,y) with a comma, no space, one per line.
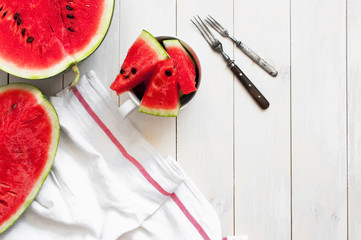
(202,27)
(216,25)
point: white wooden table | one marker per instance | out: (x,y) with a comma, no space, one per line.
(290,172)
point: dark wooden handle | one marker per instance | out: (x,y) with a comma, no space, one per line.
(257,95)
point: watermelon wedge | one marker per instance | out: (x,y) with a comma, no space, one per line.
(140,62)
(42,38)
(186,68)
(29,136)
(161,98)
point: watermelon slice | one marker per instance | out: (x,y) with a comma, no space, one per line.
(140,62)
(186,68)
(29,136)
(162,95)
(42,38)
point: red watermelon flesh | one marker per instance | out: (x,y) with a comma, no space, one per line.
(140,62)
(29,137)
(41,38)
(186,72)
(161,98)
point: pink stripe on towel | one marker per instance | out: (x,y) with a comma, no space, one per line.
(151,180)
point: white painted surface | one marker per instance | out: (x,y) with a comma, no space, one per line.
(262,138)
(319,123)
(354,117)
(205,128)
(290,172)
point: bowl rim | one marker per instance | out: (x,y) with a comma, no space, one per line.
(198,66)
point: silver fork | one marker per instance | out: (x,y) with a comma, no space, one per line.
(216,45)
(251,54)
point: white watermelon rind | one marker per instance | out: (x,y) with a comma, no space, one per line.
(52,150)
(154,44)
(69,61)
(102,31)
(159,112)
(176,43)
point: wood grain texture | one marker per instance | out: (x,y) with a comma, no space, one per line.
(48,87)
(319,161)
(205,128)
(158,17)
(262,137)
(278,174)
(3,78)
(354,118)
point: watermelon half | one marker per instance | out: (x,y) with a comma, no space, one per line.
(42,38)
(29,136)
(161,97)
(140,62)
(186,68)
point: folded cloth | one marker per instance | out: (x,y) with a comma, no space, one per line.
(108,183)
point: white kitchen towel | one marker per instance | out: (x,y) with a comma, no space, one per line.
(108,183)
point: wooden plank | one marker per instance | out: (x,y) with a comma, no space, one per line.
(157,17)
(3,78)
(49,87)
(262,137)
(105,60)
(205,128)
(318,56)
(354,117)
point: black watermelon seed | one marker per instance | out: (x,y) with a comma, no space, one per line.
(18,21)
(126,77)
(6,12)
(16,15)
(168,73)
(1,8)
(134,71)
(69,8)
(122,71)
(12,193)
(3,202)
(30,39)
(14,105)
(70,29)
(23,31)
(70,16)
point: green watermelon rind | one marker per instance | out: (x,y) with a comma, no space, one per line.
(176,43)
(159,112)
(68,62)
(52,151)
(154,44)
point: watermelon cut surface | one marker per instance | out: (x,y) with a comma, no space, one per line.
(161,97)
(140,62)
(42,38)
(186,71)
(29,136)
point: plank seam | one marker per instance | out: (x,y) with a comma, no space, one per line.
(347,131)
(176,120)
(234,140)
(291,143)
